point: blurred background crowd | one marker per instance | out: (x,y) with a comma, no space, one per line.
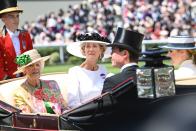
(157,19)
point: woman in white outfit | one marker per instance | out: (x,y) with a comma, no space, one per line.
(183,55)
(87,79)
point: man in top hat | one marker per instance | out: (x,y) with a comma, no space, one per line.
(126,49)
(13,41)
(183,55)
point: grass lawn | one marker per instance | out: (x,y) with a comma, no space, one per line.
(65,67)
(56,68)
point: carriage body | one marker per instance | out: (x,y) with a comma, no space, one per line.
(140,114)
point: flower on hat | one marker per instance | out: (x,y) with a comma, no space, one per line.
(23,60)
(28,58)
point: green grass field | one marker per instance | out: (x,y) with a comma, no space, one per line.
(65,67)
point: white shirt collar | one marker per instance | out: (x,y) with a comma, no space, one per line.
(186,63)
(127,65)
(15,41)
(13,34)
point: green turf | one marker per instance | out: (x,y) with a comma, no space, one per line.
(65,67)
(56,68)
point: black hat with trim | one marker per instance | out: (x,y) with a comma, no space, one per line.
(154,56)
(7,6)
(93,38)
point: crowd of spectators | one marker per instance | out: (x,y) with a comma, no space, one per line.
(157,19)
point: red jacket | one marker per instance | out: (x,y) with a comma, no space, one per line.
(2,72)
(8,53)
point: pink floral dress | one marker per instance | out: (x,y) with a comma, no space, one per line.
(44,99)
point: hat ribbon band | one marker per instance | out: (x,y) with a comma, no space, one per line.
(181,45)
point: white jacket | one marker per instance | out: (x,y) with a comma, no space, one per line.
(186,69)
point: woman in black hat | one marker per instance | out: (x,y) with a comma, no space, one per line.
(13,41)
(87,78)
(126,49)
(183,55)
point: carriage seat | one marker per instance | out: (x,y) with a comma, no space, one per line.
(186,81)
(186,85)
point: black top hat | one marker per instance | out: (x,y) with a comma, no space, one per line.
(128,39)
(9,6)
(153,57)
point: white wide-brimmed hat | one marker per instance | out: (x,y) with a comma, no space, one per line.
(28,58)
(180,43)
(94,38)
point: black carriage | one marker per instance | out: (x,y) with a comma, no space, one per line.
(108,112)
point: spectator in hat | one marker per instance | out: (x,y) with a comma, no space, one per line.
(35,95)
(87,78)
(13,41)
(126,48)
(183,55)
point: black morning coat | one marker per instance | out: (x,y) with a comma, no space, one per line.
(123,88)
(125,81)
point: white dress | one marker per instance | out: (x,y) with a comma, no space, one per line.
(186,69)
(85,84)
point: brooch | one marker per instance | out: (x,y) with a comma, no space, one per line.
(103,76)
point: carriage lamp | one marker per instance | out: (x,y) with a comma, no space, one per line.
(155,79)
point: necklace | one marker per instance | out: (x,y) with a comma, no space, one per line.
(93,68)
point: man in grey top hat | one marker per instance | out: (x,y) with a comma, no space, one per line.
(183,55)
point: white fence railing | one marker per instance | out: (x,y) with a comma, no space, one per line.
(61,46)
